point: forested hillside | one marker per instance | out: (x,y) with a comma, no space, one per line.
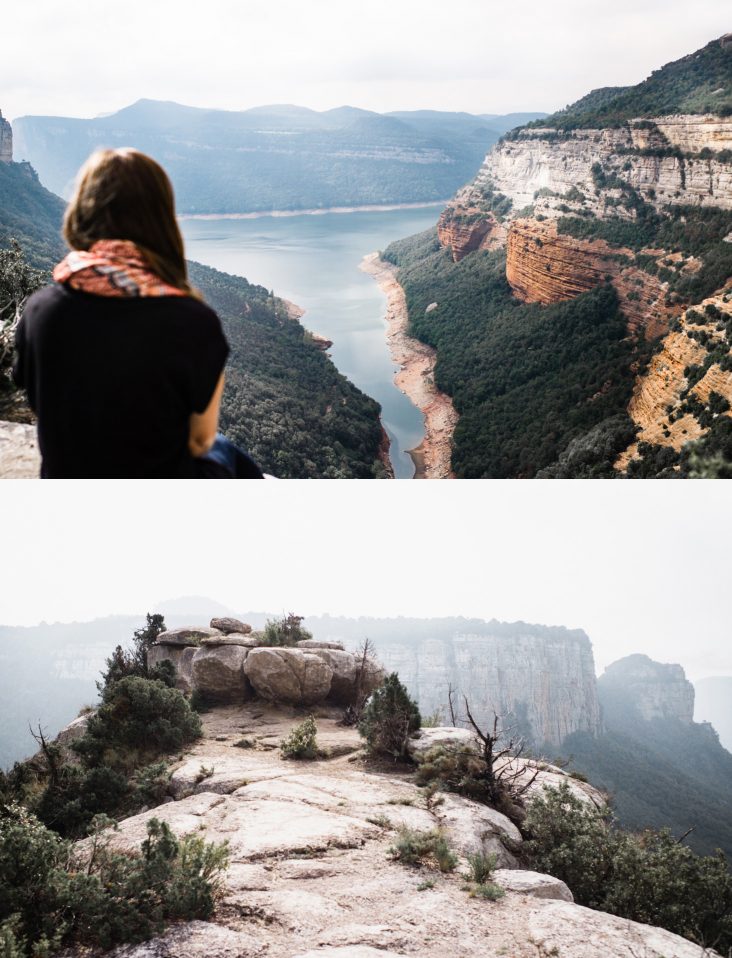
(272,158)
(661,772)
(526,379)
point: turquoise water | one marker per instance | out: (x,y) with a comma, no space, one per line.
(313,261)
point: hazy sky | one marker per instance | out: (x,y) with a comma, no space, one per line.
(641,566)
(81,59)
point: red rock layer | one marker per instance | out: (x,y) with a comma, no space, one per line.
(543,266)
(456,231)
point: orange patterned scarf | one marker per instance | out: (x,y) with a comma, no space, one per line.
(112,268)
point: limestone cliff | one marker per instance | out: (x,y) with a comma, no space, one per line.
(540,678)
(6,140)
(579,206)
(657,690)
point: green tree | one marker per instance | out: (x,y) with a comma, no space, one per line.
(125,662)
(389,718)
(17,281)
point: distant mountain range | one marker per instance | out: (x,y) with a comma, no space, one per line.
(275,157)
(714,704)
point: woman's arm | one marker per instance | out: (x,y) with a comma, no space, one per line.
(204,426)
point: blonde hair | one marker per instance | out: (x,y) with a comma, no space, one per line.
(124,194)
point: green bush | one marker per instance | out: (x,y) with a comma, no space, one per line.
(52,897)
(651,877)
(302,741)
(482,865)
(414,847)
(489,891)
(287,631)
(389,718)
(138,719)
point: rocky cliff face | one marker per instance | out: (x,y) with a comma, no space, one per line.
(692,371)
(657,690)
(541,679)
(659,157)
(545,266)
(6,140)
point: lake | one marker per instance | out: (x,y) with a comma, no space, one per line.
(313,260)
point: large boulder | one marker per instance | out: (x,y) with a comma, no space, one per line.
(343,682)
(445,736)
(471,827)
(226,624)
(294,676)
(188,635)
(532,883)
(181,658)
(218,673)
(233,638)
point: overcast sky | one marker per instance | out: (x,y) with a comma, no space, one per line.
(483,56)
(641,566)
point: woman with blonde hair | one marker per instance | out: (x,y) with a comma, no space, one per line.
(121,360)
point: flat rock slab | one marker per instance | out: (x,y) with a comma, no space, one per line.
(261,828)
(532,883)
(538,776)
(350,951)
(227,774)
(296,869)
(227,623)
(187,635)
(195,939)
(184,818)
(576,932)
(318,644)
(233,638)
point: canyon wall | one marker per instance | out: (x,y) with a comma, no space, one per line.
(6,140)
(541,679)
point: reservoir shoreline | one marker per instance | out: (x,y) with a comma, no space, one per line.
(415,378)
(385,208)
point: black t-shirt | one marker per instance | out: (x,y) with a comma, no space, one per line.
(114,381)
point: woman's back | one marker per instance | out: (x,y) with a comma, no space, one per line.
(114,380)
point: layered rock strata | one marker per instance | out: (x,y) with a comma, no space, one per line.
(695,361)
(545,266)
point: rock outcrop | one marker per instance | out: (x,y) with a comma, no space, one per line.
(6,140)
(657,690)
(545,266)
(234,666)
(311,874)
(693,363)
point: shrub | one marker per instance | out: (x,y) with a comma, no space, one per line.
(413,847)
(287,631)
(651,878)
(489,891)
(481,866)
(138,718)
(50,898)
(389,718)
(301,742)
